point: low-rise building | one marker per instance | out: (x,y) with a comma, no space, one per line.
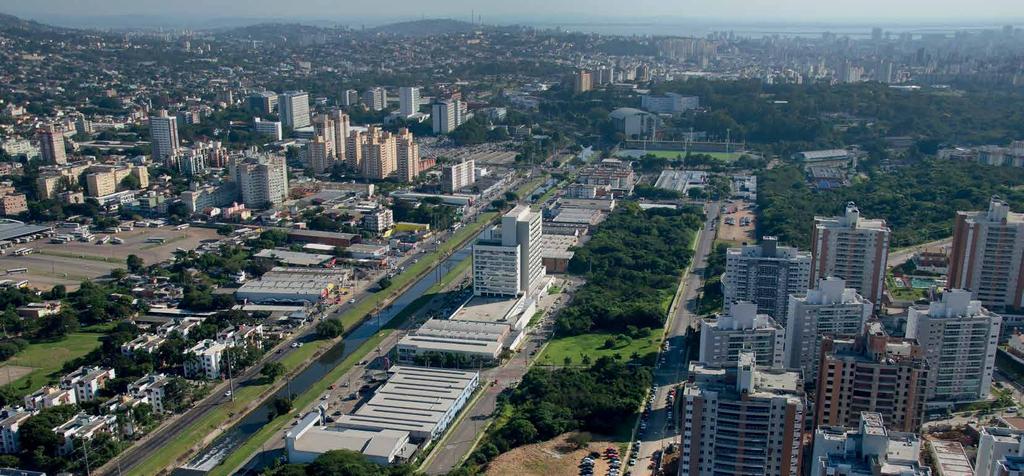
(950,459)
(481,342)
(205,360)
(311,437)
(11,419)
(87,382)
(50,396)
(293,285)
(36,310)
(13,204)
(150,389)
(145,343)
(379,221)
(868,450)
(83,427)
(418,400)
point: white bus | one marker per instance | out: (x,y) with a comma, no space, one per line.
(17,271)
(156,239)
(181,227)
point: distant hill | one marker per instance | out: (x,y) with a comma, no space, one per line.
(11,22)
(418,28)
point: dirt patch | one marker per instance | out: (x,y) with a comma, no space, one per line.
(10,373)
(735,232)
(556,457)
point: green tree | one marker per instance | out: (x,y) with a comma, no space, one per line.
(272,370)
(135,264)
(329,329)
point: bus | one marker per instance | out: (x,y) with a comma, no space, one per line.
(156,239)
(22,251)
(181,227)
(17,271)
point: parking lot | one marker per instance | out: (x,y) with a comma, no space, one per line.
(737,226)
(51,264)
(500,153)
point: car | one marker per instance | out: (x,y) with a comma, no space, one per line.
(352,301)
(632,462)
(295,345)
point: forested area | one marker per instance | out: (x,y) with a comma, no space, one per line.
(632,265)
(919,203)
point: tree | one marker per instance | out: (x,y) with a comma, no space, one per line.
(329,329)
(279,406)
(384,283)
(135,264)
(272,370)
(343,463)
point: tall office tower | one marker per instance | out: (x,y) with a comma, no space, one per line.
(444,116)
(408,101)
(742,330)
(643,73)
(987,257)
(871,449)
(51,146)
(340,133)
(354,150)
(741,420)
(379,154)
(871,373)
(582,82)
(996,448)
(522,226)
(852,248)
(408,156)
(263,102)
(319,155)
(324,127)
(959,338)
(263,181)
(830,309)
(349,97)
(163,136)
(294,106)
(766,275)
(375,99)
(456,176)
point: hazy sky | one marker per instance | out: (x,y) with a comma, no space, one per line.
(505,11)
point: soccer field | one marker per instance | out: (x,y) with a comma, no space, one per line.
(672,154)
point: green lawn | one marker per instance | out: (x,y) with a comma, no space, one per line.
(48,358)
(593,346)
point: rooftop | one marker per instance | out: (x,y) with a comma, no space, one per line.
(951,459)
(295,258)
(485,309)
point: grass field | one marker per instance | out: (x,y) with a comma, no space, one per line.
(672,154)
(593,346)
(47,358)
(300,356)
(253,444)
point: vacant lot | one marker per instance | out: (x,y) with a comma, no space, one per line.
(594,346)
(555,457)
(735,233)
(71,263)
(45,359)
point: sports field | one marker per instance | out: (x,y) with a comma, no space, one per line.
(672,154)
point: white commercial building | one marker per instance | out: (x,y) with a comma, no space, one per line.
(634,123)
(832,309)
(870,450)
(408,101)
(457,176)
(959,338)
(446,116)
(509,262)
(263,181)
(294,106)
(670,103)
(312,437)
(421,401)
(163,136)
(271,129)
(853,248)
(742,330)
(293,285)
(741,420)
(481,342)
(765,275)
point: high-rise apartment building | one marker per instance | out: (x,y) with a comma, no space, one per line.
(264,102)
(583,81)
(852,248)
(987,257)
(959,338)
(350,97)
(740,330)
(375,99)
(319,155)
(459,175)
(996,447)
(446,116)
(380,154)
(163,136)
(765,274)
(871,372)
(866,448)
(741,420)
(830,309)
(508,261)
(262,181)
(294,106)
(408,101)
(340,121)
(323,127)
(354,149)
(51,146)
(408,156)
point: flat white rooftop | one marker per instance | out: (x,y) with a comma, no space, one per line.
(486,309)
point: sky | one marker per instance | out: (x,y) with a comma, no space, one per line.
(542,11)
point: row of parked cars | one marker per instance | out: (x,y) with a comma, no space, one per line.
(614,463)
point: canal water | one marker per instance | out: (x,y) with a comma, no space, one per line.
(213,454)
